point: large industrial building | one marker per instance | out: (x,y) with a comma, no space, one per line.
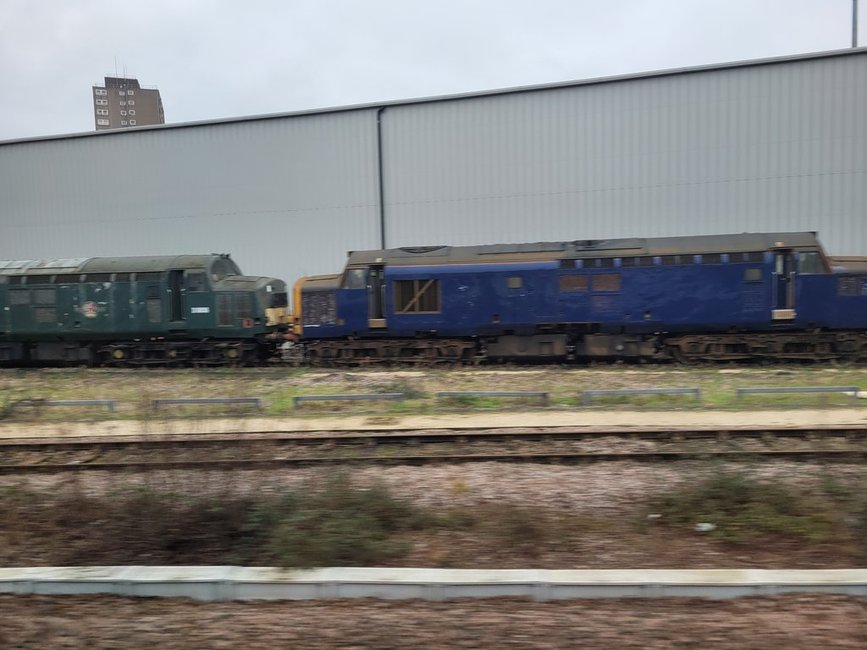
(774,145)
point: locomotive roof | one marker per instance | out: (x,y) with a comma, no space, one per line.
(542,251)
(141,264)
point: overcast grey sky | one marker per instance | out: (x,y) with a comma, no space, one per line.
(225,58)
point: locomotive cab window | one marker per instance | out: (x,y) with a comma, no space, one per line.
(355,279)
(279,299)
(417,296)
(810,263)
(195,281)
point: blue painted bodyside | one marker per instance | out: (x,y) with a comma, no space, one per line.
(820,303)
(523,298)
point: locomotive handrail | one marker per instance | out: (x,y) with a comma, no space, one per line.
(854,390)
(110,404)
(361,396)
(543,396)
(255,401)
(588,395)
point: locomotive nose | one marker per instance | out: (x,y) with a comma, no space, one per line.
(275,300)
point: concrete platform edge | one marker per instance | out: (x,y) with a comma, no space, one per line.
(220,583)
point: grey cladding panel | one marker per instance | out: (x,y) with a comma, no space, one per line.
(773,147)
(286,197)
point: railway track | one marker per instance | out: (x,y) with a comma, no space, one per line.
(279,449)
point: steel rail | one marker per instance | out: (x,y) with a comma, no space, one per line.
(427,459)
(153,441)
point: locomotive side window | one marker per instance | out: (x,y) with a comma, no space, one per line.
(195,281)
(417,296)
(355,279)
(573,283)
(810,263)
(606,282)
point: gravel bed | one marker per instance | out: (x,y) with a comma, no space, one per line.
(597,488)
(107,622)
(601,506)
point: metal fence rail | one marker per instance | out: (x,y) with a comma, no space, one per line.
(360,397)
(588,395)
(540,395)
(110,404)
(854,390)
(252,401)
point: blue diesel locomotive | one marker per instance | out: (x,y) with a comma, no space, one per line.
(774,296)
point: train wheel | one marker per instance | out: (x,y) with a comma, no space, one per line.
(233,355)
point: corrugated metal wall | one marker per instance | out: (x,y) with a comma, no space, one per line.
(778,146)
(280,195)
(772,147)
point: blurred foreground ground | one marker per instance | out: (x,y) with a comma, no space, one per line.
(106,622)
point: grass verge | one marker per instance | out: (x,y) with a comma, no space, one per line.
(734,507)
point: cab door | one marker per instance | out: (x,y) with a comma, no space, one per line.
(177,315)
(376,297)
(783,289)
(199,308)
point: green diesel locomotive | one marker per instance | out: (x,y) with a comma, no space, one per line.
(186,310)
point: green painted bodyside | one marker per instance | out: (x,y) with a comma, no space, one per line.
(47,309)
